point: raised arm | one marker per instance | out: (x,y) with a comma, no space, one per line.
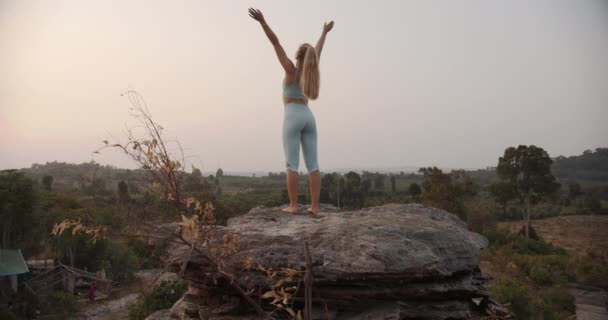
(283,59)
(326,28)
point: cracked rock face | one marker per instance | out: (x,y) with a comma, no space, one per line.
(397,261)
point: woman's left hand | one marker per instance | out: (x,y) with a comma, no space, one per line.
(328,26)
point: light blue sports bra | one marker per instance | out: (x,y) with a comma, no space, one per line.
(293,90)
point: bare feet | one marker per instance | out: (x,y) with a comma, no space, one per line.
(290,209)
(313,211)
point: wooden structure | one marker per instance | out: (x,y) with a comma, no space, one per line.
(68,279)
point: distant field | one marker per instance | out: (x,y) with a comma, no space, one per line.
(576,233)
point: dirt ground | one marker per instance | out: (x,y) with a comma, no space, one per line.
(577,233)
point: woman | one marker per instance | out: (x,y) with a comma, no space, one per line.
(301,83)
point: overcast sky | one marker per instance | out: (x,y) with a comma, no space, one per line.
(404,83)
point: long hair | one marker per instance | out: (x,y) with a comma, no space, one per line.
(310,79)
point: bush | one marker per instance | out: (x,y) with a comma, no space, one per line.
(520,244)
(591,269)
(559,296)
(554,303)
(535,247)
(547,269)
(545,210)
(511,290)
(510,213)
(162,297)
(146,254)
(480,216)
(62,304)
(118,260)
(6,314)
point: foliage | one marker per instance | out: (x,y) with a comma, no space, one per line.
(123,192)
(553,302)
(519,244)
(480,215)
(197,228)
(231,205)
(17,203)
(147,256)
(161,297)
(62,304)
(446,191)
(414,189)
(525,172)
(75,227)
(6,314)
(527,169)
(574,190)
(591,165)
(541,270)
(503,192)
(119,262)
(47,182)
(546,269)
(352,195)
(329,188)
(512,291)
(591,269)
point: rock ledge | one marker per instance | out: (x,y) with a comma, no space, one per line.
(397,261)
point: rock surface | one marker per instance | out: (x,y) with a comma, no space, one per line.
(395,261)
(154,277)
(107,310)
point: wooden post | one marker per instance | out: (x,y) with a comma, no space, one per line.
(14,282)
(308,276)
(71,283)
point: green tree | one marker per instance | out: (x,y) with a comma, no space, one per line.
(379,181)
(393,184)
(6,314)
(98,187)
(503,193)
(527,169)
(512,291)
(574,190)
(415,189)
(70,246)
(62,304)
(219,173)
(329,188)
(366,185)
(17,203)
(47,182)
(592,203)
(217,186)
(193,182)
(341,187)
(446,191)
(162,297)
(123,192)
(197,172)
(352,196)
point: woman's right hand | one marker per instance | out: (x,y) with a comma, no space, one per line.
(256,15)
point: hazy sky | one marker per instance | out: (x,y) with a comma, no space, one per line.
(446,83)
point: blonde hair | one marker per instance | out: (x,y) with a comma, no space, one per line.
(310,78)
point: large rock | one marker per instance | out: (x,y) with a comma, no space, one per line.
(390,262)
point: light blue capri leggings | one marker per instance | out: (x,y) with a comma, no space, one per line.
(299,126)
